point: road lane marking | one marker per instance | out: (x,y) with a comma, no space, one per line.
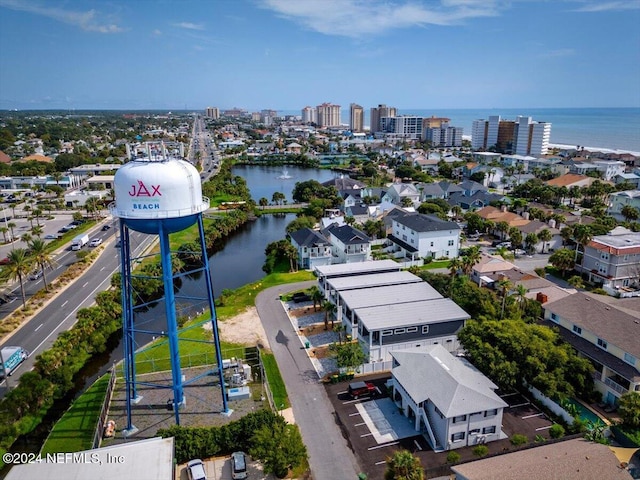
(64,303)
(85,284)
(39,326)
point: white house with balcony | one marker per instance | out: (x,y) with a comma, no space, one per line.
(415,236)
(446,398)
(618,200)
(607,334)
(348,244)
(313,249)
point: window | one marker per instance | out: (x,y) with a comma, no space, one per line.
(386,333)
(450,243)
(460,418)
(399,331)
(489,429)
(412,329)
(602,344)
(432,244)
(425,329)
(456,437)
(491,413)
(475,431)
(629,359)
(577,329)
(554,317)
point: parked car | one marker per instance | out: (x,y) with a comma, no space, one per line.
(504,245)
(95,242)
(195,470)
(52,236)
(238,466)
(360,389)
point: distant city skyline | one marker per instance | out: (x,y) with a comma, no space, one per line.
(284,55)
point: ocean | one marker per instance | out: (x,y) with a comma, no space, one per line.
(608,128)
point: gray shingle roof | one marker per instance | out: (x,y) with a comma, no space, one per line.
(425,223)
(306,237)
(451,383)
(347,234)
(607,322)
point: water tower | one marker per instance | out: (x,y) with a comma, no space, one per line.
(159,195)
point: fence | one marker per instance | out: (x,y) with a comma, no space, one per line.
(97,436)
(265,383)
(369,368)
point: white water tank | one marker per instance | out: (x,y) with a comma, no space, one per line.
(148,191)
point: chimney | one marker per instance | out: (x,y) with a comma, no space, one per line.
(525,215)
(552,223)
(503,208)
(541,297)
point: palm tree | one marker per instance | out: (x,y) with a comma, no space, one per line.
(18,267)
(505,253)
(404,466)
(11,226)
(92,205)
(521,292)
(630,213)
(544,236)
(456,210)
(505,286)
(502,227)
(454,265)
(515,236)
(329,309)
(42,257)
(582,234)
(530,241)
(316,296)
(37,230)
(263,202)
(4,231)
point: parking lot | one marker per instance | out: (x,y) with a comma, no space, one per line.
(375,428)
(219,468)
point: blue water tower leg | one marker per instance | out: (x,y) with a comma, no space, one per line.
(128,329)
(172,324)
(214,319)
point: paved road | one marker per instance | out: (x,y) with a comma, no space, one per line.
(38,333)
(330,457)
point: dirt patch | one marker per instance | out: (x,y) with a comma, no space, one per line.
(302,311)
(245,328)
(320,352)
(314,329)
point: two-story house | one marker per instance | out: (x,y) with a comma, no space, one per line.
(326,273)
(398,192)
(606,335)
(313,249)
(384,328)
(613,259)
(415,236)
(618,200)
(446,398)
(348,244)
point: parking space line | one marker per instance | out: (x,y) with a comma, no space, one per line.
(354,414)
(509,394)
(360,424)
(520,405)
(534,415)
(383,445)
(366,435)
(543,428)
(380,463)
(351,401)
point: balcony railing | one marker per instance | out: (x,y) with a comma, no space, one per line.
(616,386)
(597,376)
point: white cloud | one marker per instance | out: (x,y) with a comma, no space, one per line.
(609,6)
(89,21)
(355,18)
(189,25)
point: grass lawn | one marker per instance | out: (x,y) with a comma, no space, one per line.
(74,431)
(437,264)
(276,384)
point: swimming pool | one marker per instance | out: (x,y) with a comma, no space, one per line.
(584,413)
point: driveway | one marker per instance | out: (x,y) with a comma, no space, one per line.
(330,457)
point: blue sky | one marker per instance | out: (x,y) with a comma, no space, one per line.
(285,54)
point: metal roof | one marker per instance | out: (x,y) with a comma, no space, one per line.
(438,310)
(389,295)
(356,268)
(372,280)
(150,459)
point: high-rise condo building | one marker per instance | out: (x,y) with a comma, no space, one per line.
(522,136)
(377,113)
(309,115)
(442,136)
(328,115)
(356,118)
(405,126)
(213,113)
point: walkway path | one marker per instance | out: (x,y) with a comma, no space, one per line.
(330,457)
